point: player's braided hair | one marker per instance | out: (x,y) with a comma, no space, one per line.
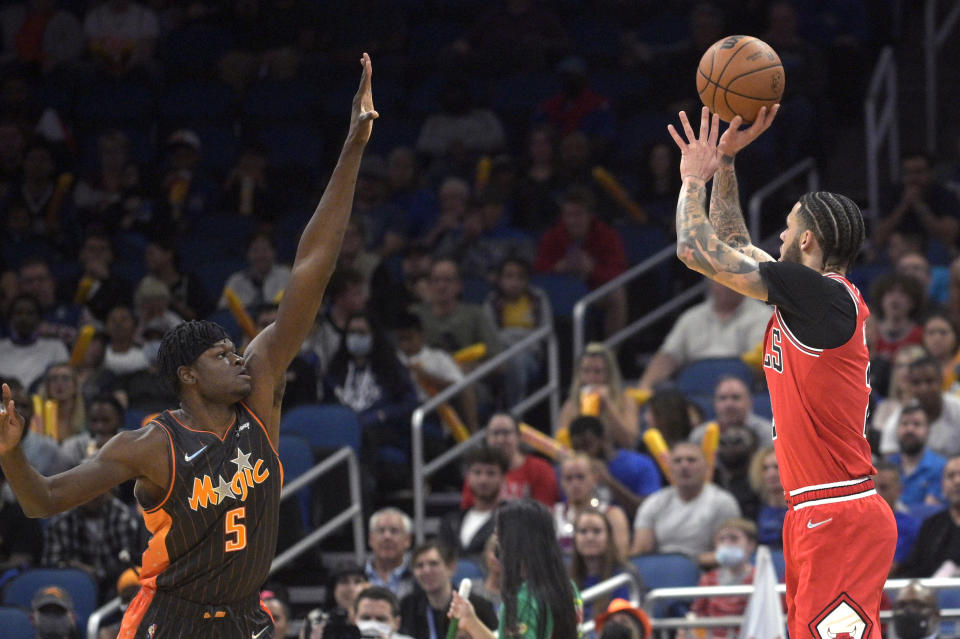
(837,224)
(183,344)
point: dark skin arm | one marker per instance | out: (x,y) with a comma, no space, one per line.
(270,353)
(698,245)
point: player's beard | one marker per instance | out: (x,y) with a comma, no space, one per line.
(792,252)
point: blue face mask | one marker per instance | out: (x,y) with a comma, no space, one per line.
(359,344)
(730,555)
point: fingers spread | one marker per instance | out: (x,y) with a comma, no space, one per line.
(676,138)
(687,129)
(704,123)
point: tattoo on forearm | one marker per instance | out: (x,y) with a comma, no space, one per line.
(699,245)
(725,213)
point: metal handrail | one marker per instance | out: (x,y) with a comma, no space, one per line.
(881,126)
(550,389)
(606,587)
(932,43)
(580,308)
(807,165)
(353,512)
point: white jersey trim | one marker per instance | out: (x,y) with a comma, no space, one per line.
(834,500)
(803,348)
(836,277)
(836,484)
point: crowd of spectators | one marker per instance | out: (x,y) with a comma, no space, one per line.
(159,158)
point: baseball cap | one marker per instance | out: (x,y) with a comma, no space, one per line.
(128,579)
(622,605)
(52,596)
(184,137)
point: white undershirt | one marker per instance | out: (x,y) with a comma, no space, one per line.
(473,520)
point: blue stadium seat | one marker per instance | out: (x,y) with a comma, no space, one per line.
(116,102)
(297,458)
(190,101)
(16,624)
(20,590)
(701,377)
(522,92)
(279,101)
(564,291)
(637,132)
(670,570)
(225,318)
(761,405)
(214,274)
(467,569)
(324,425)
(194,49)
(948,598)
(299,145)
(475,290)
(640,241)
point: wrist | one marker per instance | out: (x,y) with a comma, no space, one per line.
(726,160)
(694,179)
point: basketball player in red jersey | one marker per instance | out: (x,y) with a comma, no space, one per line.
(207,474)
(839,535)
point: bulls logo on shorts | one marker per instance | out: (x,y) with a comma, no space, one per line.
(842,619)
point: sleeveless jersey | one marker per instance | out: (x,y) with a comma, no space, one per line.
(214,535)
(819,399)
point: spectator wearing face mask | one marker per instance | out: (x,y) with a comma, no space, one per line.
(377,614)
(735,542)
(52,614)
(916,614)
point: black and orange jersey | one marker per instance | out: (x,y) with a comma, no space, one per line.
(214,534)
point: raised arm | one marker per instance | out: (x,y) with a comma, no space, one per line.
(698,245)
(726,216)
(270,353)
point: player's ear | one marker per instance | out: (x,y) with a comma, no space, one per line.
(187,375)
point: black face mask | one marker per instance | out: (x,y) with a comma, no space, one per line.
(54,626)
(911,624)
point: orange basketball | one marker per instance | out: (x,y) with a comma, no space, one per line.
(738,75)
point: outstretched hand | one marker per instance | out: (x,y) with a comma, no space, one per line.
(11,424)
(363,114)
(699,156)
(734,139)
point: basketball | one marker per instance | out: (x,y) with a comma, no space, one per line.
(738,75)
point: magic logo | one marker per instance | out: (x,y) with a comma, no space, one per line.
(237,487)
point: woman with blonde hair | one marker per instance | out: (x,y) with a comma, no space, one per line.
(764,475)
(597,389)
(62,385)
(579,481)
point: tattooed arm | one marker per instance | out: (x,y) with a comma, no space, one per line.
(701,250)
(726,215)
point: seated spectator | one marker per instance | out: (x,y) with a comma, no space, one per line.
(732,468)
(345,297)
(924,378)
(151,303)
(384,225)
(527,475)
(40,450)
(888,485)
(121,35)
(627,476)
(92,537)
(347,581)
(921,470)
(21,538)
(937,550)
(659,183)
(25,355)
(579,482)
(41,191)
(670,412)
(431,369)
(62,385)
(279,612)
(582,245)
(922,209)
(248,189)
(185,190)
(734,544)
(424,612)
(916,612)
(733,406)
(123,356)
(354,255)
(366,375)
(940,342)
(453,196)
(466,531)
(128,585)
(517,309)
(685,516)
(113,197)
(489,588)
(725,325)
(395,288)
(60,319)
(460,127)
(622,620)
(389,536)
(188,298)
(536,198)
(376,612)
(38,33)
(407,191)
(104,419)
(97,288)
(93,378)
(934,281)
(52,614)
(598,375)
(263,280)
(897,303)
(596,557)
(449,323)
(898,389)
(301,379)
(765,481)
(577,106)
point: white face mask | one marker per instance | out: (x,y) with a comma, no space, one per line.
(728,555)
(374,629)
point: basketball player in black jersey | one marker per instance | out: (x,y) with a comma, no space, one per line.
(207,473)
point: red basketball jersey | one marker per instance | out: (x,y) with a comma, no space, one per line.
(819,398)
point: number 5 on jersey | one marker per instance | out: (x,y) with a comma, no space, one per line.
(774,359)
(235,530)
